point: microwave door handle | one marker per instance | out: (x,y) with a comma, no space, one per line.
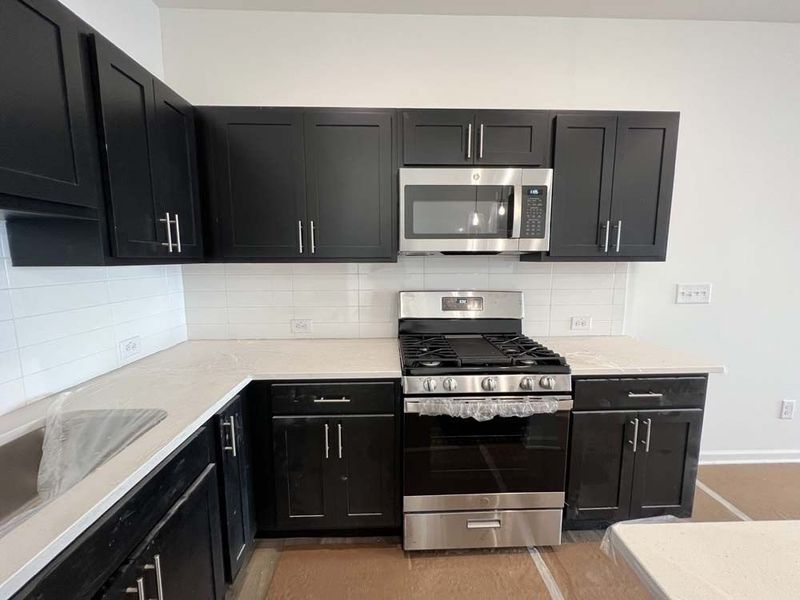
(516,223)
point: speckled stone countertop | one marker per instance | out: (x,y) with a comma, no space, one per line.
(740,559)
(194,380)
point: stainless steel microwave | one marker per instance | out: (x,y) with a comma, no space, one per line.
(474,210)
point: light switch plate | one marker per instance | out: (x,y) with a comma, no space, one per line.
(302,326)
(130,347)
(583,323)
(693,293)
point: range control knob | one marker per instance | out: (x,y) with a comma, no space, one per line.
(450,384)
(526,383)
(548,382)
(489,384)
(429,385)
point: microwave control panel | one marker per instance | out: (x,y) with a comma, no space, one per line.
(534,211)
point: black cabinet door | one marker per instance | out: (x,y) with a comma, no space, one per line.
(303,450)
(176,180)
(45,151)
(644,167)
(666,463)
(600,466)
(366,472)
(349,184)
(512,137)
(181,558)
(583,168)
(236,490)
(438,137)
(258,192)
(127,109)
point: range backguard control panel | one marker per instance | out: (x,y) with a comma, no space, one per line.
(534,211)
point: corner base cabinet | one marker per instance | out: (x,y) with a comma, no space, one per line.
(639,459)
(335,458)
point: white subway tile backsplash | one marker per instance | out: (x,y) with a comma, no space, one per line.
(251,301)
(60,326)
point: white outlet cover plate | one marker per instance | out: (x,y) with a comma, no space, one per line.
(787,409)
(130,347)
(583,323)
(693,293)
(302,326)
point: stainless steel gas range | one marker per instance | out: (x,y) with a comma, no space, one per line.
(486,424)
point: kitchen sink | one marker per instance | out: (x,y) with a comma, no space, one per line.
(80,441)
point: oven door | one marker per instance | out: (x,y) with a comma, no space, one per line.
(460,210)
(453,463)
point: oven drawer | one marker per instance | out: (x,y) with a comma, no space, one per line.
(332,398)
(485,529)
(640,393)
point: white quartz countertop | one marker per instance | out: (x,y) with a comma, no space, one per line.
(703,561)
(624,355)
(194,380)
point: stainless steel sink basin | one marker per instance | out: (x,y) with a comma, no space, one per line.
(85,440)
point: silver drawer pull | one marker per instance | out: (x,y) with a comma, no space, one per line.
(645,395)
(138,590)
(231,422)
(156,566)
(324,400)
(489,524)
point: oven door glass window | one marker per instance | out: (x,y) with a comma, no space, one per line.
(459,211)
(448,455)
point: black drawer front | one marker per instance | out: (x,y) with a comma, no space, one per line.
(640,393)
(332,398)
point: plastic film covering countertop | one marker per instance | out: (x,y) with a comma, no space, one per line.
(485,409)
(58,451)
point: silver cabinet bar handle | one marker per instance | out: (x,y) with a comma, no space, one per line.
(619,233)
(178,233)
(300,236)
(168,221)
(649,424)
(156,566)
(490,524)
(480,142)
(339,425)
(644,395)
(313,238)
(138,590)
(231,422)
(324,400)
(327,445)
(608,233)
(469,140)
(632,442)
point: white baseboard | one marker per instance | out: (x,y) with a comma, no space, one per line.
(721,457)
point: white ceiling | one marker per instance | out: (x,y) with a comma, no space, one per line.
(714,10)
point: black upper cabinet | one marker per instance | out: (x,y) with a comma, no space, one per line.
(584,167)
(46,157)
(349,184)
(485,137)
(149,157)
(295,184)
(236,489)
(612,186)
(255,165)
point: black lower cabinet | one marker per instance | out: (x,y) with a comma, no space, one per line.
(181,558)
(631,464)
(233,458)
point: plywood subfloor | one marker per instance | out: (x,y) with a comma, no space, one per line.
(375,568)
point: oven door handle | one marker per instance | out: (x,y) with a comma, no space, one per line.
(411,405)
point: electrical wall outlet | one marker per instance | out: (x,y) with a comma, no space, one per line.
(693,293)
(302,326)
(787,409)
(130,347)
(583,323)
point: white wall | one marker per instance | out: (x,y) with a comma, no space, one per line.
(360,300)
(61,326)
(735,218)
(133,25)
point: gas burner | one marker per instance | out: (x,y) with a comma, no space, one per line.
(430,363)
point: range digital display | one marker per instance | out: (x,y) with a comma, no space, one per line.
(462,303)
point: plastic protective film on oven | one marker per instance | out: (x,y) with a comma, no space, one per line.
(485,409)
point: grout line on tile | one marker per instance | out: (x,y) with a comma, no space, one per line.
(547,576)
(731,507)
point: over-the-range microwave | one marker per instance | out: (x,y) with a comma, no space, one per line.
(461,211)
